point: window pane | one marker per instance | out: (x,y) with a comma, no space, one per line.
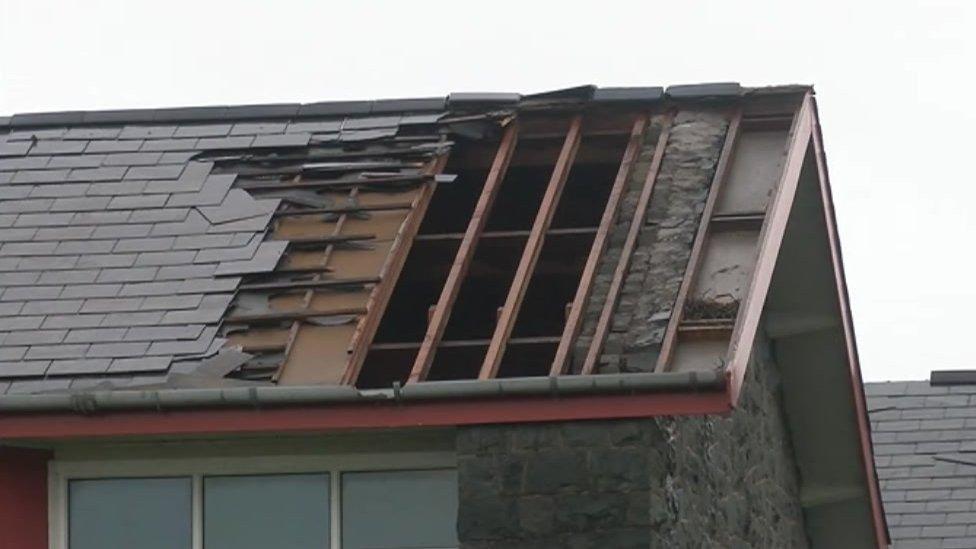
(280,511)
(148,513)
(399,509)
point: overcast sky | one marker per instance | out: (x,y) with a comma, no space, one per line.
(894,82)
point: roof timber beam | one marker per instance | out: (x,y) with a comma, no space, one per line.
(770,241)
(464,256)
(698,246)
(623,264)
(381,293)
(533,248)
(574,319)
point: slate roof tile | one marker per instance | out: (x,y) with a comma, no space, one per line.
(79,366)
(113,146)
(76,161)
(203,130)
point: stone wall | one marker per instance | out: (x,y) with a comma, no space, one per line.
(667,482)
(664,242)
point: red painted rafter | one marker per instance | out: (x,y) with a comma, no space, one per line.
(623,264)
(770,240)
(575,317)
(465,253)
(533,248)
(389,274)
(698,246)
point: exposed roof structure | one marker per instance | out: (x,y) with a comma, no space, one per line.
(619,251)
(925,450)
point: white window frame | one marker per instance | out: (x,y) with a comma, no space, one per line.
(60,473)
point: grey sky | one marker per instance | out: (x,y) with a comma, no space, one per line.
(894,81)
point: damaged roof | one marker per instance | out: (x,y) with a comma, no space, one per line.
(361,243)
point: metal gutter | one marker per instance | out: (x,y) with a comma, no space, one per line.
(271,396)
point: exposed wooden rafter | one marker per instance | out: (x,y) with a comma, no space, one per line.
(574,319)
(616,283)
(465,253)
(533,248)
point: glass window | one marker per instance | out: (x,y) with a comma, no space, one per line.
(258,512)
(399,509)
(148,513)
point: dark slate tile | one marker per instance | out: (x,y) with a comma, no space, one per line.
(321,126)
(249,225)
(97,174)
(71,321)
(117,350)
(107,260)
(137,202)
(16,148)
(117,188)
(27,248)
(478,99)
(18,234)
(100,218)
(111,305)
(171,302)
(140,364)
(184,114)
(185,271)
(125,320)
(88,203)
(353,136)
(68,277)
(27,163)
(237,204)
(383,106)
(130,230)
(22,278)
(203,130)
(171,186)
(36,133)
(7,220)
(46,119)
(166,258)
(220,143)
(78,366)
(113,146)
(24,293)
(421,119)
(10,308)
(130,274)
(21,323)
(51,306)
(210,285)
(157,244)
(194,316)
(256,128)
(43,219)
(95,335)
(35,337)
(38,386)
(370,122)
(91,133)
(177,157)
(60,190)
(147,132)
(6,177)
(164,333)
(625,94)
(335,108)
(202,242)
(170,171)
(272,110)
(78,161)
(40,176)
(21,368)
(240,253)
(26,205)
(42,352)
(82,291)
(85,247)
(194,223)
(55,262)
(213,192)
(151,288)
(183,347)
(701,91)
(160,215)
(282,140)
(163,145)
(132,159)
(119,116)
(58,147)
(12,353)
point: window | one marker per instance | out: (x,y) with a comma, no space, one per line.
(251,503)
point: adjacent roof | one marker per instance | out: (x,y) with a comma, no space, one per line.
(925,452)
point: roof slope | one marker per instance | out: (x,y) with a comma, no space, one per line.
(925,451)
